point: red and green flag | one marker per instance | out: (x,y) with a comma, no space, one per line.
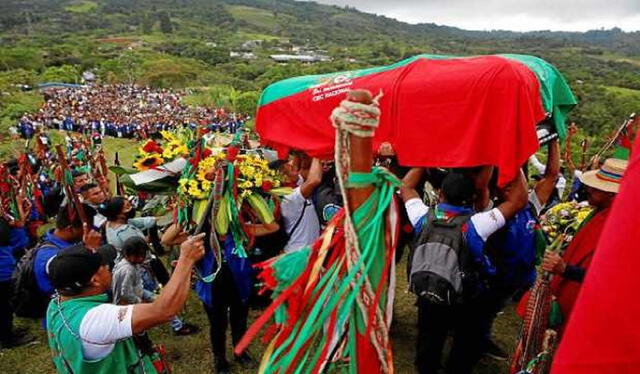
(443,111)
(626,137)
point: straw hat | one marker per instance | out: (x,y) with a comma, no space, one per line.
(608,177)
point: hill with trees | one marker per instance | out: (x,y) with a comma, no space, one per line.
(221,50)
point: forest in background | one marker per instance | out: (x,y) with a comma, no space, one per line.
(187,44)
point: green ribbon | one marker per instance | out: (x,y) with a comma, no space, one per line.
(376,177)
(337,292)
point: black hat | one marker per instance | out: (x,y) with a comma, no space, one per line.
(458,189)
(72,268)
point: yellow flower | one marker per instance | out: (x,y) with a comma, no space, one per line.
(204,167)
(194,191)
(148,162)
(206,185)
(168,136)
(258,180)
(245,185)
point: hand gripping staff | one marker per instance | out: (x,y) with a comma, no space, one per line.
(332,299)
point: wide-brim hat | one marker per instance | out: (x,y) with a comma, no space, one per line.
(608,177)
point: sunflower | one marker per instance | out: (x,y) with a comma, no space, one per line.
(175,148)
(168,136)
(149,161)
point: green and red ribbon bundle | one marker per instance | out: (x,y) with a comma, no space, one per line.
(318,322)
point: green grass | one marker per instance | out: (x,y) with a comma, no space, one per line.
(82,6)
(254,16)
(254,36)
(610,56)
(623,92)
(192,354)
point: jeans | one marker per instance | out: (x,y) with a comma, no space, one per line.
(227,307)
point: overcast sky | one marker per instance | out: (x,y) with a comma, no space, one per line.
(517,15)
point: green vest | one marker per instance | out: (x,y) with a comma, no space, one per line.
(66,346)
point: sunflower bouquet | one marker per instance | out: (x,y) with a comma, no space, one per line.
(564,219)
(253,175)
(153,154)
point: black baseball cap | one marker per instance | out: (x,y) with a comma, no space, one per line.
(72,268)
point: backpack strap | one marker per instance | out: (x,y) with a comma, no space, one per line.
(295,226)
(427,224)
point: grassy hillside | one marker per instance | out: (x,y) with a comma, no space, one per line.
(187,43)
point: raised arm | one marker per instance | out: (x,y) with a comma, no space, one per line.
(174,294)
(314,177)
(544,187)
(516,197)
(261,229)
(481,179)
(409,184)
(360,155)
(173,235)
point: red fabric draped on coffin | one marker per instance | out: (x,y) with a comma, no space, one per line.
(449,113)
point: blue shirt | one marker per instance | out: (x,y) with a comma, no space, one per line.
(241,270)
(18,240)
(45,253)
(513,250)
(476,230)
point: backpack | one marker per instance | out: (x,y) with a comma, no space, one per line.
(26,298)
(440,266)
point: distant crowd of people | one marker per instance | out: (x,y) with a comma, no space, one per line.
(122,111)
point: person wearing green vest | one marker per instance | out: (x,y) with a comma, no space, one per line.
(89,334)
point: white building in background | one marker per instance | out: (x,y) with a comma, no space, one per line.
(301,58)
(243,55)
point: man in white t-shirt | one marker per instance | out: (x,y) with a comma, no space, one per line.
(298,213)
(87,333)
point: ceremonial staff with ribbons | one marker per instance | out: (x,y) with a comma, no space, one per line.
(333,300)
(73,202)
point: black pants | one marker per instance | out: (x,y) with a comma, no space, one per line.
(495,300)
(6,312)
(227,307)
(434,324)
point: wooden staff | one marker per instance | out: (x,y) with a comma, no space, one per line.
(40,148)
(596,158)
(573,129)
(583,159)
(104,170)
(119,186)
(73,201)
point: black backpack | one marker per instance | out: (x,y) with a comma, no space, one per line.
(440,267)
(27,300)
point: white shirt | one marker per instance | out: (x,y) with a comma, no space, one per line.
(105,325)
(485,223)
(308,229)
(561,184)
